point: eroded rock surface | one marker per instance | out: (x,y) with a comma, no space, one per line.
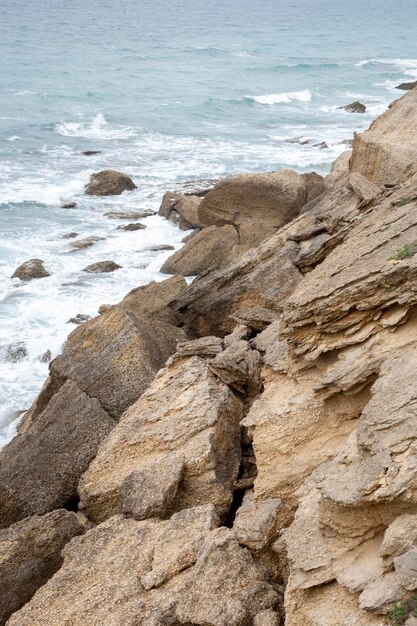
(109,183)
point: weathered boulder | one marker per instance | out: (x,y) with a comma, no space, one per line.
(109,183)
(40,468)
(153,572)
(209,249)
(354,107)
(273,198)
(101,267)
(30,553)
(386,151)
(29,270)
(186,410)
(181,209)
(315,185)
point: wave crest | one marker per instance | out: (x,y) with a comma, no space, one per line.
(98,128)
(283,98)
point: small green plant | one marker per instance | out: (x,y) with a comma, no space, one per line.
(401,611)
(408,250)
(406,200)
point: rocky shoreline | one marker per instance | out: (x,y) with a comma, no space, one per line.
(241,450)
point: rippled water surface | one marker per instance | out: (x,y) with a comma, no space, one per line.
(168,92)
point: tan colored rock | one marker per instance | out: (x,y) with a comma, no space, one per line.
(181,209)
(406,569)
(399,537)
(239,367)
(29,270)
(257,523)
(40,468)
(315,185)
(364,188)
(109,183)
(269,617)
(153,572)
(186,410)
(209,249)
(87,242)
(30,553)
(386,151)
(252,232)
(272,198)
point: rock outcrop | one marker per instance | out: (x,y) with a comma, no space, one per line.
(30,270)
(211,248)
(109,183)
(181,209)
(102,267)
(354,107)
(266,475)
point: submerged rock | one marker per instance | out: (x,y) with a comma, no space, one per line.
(14,352)
(90,152)
(70,235)
(102,267)
(354,107)
(79,318)
(132,227)
(30,270)
(69,205)
(109,183)
(407,86)
(87,242)
(129,215)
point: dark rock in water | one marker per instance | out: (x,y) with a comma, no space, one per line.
(81,244)
(407,86)
(102,266)
(68,205)
(354,107)
(126,215)
(160,248)
(79,318)
(300,140)
(91,152)
(347,142)
(46,357)
(69,235)
(109,183)
(29,270)
(14,352)
(132,227)
(30,553)
(323,145)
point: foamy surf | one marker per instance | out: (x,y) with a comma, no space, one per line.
(283,98)
(98,128)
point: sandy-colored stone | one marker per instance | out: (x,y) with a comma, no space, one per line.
(186,410)
(109,183)
(30,270)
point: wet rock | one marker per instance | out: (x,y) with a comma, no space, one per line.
(69,205)
(14,352)
(160,248)
(87,242)
(201,427)
(46,356)
(79,318)
(322,145)
(91,152)
(129,215)
(407,86)
(70,235)
(30,553)
(30,270)
(102,267)
(109,183)
(132,227)
(209,249)
(354,107)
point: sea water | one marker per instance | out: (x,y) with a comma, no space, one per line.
(172,92)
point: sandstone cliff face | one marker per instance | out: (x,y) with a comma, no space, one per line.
(267,474)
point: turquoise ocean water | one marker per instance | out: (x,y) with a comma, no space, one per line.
(168,92)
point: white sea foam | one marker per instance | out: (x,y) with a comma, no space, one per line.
(283,98)
(98,128)
(407,66)
(43,188)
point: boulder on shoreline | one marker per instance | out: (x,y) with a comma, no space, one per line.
(407,86)
(354,107)
(30,553)
(31,270)
(109,183)
(211,248)
(102,267)
(181,209)
(132,227)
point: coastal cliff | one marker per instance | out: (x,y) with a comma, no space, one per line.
(241,450)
